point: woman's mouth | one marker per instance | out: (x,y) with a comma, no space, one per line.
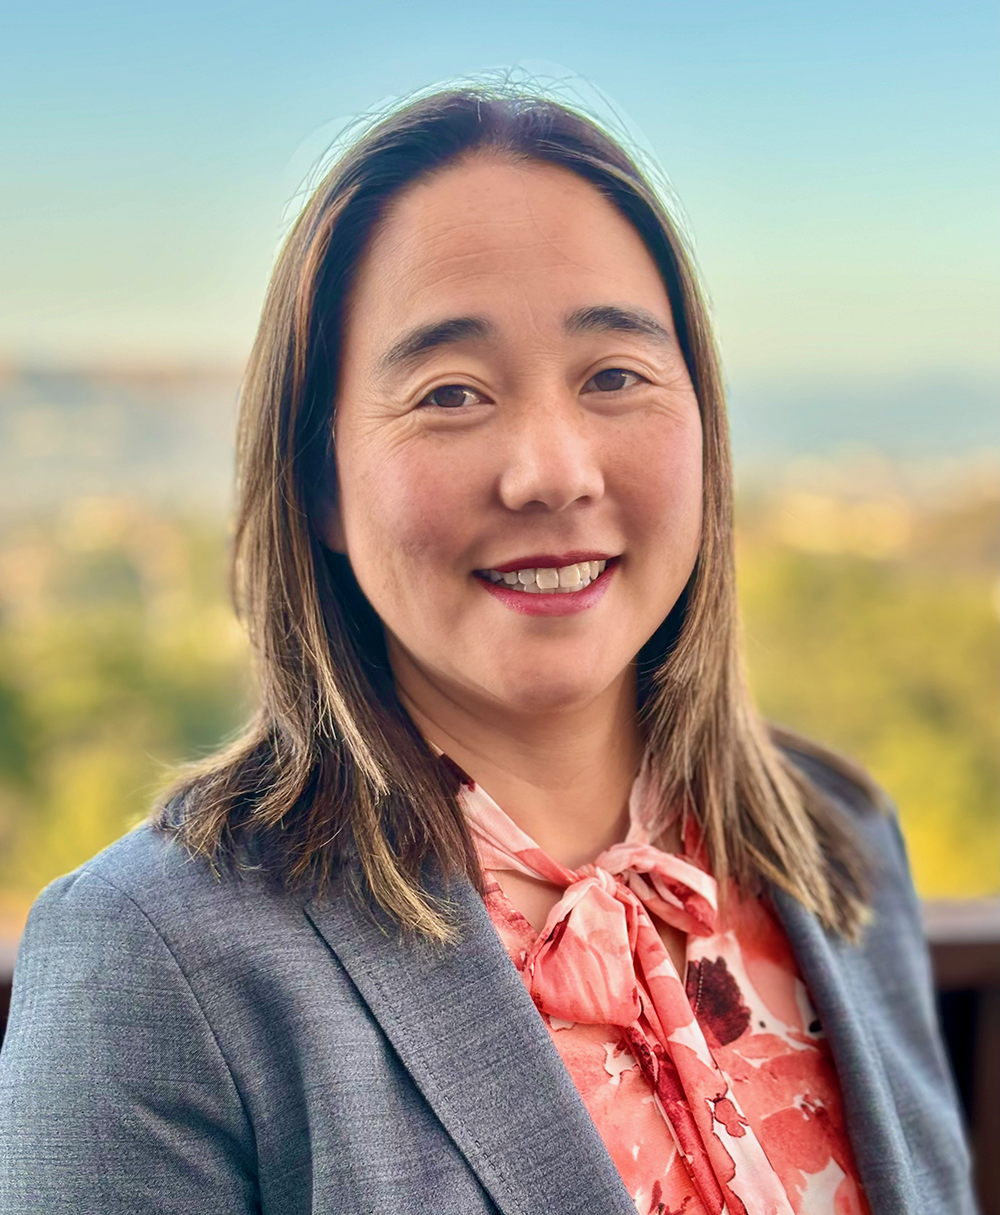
(550,587)
(559,580)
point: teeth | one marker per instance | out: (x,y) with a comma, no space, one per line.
(563,581)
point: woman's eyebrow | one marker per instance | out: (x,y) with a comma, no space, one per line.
(602,318)
(593,319)
(418,341)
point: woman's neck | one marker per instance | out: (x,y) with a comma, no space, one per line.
(563,777)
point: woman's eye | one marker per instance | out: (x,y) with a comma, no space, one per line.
(612,379)
(450,396)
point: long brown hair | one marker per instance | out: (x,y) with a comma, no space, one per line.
(331,774)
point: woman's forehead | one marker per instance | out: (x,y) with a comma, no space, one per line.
(519,242)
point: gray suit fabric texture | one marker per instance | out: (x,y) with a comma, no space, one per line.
(185,1042)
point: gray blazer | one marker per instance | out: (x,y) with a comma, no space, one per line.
(183,1043)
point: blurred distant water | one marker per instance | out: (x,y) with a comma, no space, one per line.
(902,419)
(167,437)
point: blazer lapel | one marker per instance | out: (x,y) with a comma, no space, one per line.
(465,1029)
(839,982)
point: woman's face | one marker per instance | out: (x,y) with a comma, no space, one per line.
(518,441)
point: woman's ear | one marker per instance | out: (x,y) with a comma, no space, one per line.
(326,512)
(329,522)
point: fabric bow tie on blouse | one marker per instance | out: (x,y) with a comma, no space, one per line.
(588,966)
(591,959)
(600,960)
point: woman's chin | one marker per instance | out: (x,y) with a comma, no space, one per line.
(541,693)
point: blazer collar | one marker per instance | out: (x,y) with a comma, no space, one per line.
(466,1030)
(836,974)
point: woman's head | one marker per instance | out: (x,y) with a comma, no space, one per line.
(523,222)
(484,350)
(518,214)
(512,397)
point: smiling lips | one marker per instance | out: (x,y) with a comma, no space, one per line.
(550,587)
(561,580)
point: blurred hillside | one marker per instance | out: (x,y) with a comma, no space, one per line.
(871,601)
(869,591)
(162,435)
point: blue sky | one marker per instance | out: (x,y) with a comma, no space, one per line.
(837,163)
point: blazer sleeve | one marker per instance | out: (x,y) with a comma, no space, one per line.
(114,1093)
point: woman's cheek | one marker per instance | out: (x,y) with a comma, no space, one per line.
(415,508)
(662,478)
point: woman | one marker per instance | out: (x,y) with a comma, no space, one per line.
(507,900)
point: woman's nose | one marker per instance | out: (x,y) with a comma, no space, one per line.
(551,459)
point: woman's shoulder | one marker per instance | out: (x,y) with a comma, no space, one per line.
(853,794)
(844,781)
(869,816)
(147,887)
(893,936)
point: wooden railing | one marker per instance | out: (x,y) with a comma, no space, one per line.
(964,937)
(965,947)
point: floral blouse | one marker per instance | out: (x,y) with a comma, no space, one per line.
(714,1094)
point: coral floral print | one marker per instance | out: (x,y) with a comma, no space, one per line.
(718,1095)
